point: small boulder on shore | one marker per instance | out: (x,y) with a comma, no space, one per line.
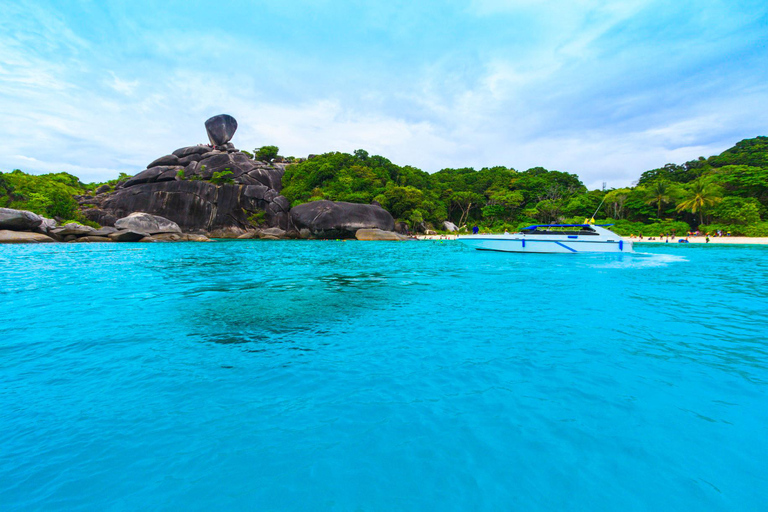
(72,229)
(378,234)
(23,237)
(450,226)
(147,223)
(92,238)
(328,219)
(176,237)
(19,220)
(104,231)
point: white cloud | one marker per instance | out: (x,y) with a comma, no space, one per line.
(122,86)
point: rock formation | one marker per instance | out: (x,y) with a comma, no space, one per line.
(222,192)
(213,189)
(138,227)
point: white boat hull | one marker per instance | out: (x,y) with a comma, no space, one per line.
(602,240)
(544,246)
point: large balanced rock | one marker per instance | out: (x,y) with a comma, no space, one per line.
(141,222)
(23,237)
(377,234)
(328,219)
(450,226)
(220,129)
(19,220)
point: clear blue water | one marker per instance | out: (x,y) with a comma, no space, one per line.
(382,376)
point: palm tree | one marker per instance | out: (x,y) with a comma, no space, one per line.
(701,195)
(659,194)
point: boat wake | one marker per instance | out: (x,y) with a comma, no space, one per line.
(642,260)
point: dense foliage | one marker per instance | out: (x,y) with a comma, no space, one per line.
(728,192)
(50,195)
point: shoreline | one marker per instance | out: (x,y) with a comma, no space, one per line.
(727,240)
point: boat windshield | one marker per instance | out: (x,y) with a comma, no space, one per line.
(560,229)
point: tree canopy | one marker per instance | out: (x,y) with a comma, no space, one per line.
(727,191)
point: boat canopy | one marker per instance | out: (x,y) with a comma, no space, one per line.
(564,226)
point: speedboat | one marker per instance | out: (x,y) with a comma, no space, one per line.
(552,238)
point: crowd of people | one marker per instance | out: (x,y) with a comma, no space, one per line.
(671,236)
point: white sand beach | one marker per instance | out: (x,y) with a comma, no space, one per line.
(703,240)
(692,239)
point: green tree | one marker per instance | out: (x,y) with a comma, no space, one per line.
(266,153)
(700,195)
(659,193)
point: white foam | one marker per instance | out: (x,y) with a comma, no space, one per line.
(642,260)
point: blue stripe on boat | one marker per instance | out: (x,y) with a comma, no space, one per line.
(563,245)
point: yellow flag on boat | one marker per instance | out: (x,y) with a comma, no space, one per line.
(589,221)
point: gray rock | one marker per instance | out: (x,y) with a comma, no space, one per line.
(23,237)
(127,235)
(227,232)
(378,234)
(450,226)
(268,176)
(282,203)
(103,189)
(192,150)
(92,238)
(328,219)
(275,233)
(169,175)
(148,176)
(212,152)
(189,159)
(141,222)
(99,216)
(72,229)
(104,231)
(216,163)
(220,129)
(402,228)
(179,237)
(19,220)
(164,160)
(46,226)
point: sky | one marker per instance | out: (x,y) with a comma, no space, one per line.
(602,89)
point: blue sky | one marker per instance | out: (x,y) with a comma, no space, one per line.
(602,89)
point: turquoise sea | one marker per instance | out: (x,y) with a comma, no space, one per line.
(249,375)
